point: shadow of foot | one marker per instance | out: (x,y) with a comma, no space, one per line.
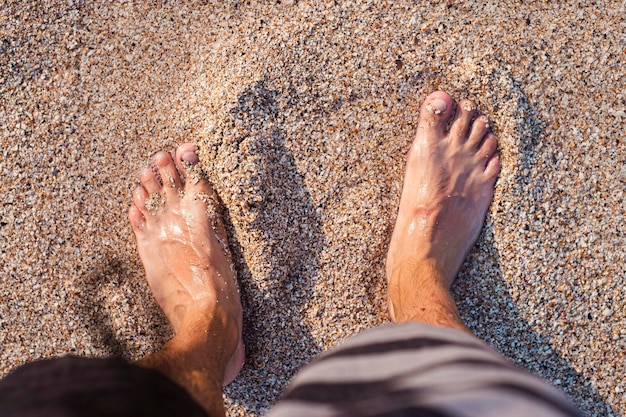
(276,238)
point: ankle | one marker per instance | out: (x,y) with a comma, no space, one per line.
(207,343)
(418,291)
(179,360)
(433,312)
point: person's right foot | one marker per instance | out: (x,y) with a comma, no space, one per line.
(448,186)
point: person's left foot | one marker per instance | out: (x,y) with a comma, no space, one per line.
(183,247)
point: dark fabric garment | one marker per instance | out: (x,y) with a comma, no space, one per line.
(408,370)
(86,387)
(417,370)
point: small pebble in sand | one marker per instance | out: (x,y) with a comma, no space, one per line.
(469,106)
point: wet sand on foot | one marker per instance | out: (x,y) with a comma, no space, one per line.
(303,111)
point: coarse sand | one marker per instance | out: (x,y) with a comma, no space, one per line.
(303,111)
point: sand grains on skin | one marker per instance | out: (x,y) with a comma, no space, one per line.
(182,244)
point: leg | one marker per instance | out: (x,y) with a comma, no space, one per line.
(447,188)
(183,247)
(428,364)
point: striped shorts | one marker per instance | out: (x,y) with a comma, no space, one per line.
(418,370)
(395,370)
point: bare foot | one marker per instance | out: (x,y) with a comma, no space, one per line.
(183,247)
(448,186)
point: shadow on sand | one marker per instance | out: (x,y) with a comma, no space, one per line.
(485,297)
(287,240)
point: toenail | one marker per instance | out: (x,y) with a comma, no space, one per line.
(437,106)
(190,157)
(160,157)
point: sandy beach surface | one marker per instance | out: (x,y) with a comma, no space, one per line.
(303,111)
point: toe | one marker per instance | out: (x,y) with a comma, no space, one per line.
(140,195)
(169,175)
(466,110)
(435,114)
(187,161)
(488,147)
(136,218)
(493,167)
(479,129)
(150,181)
(187,153)
(198,186)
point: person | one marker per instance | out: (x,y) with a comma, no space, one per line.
(426,363)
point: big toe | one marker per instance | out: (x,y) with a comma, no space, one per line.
(187,153)
(196,182)
(434,115)
(188,164)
